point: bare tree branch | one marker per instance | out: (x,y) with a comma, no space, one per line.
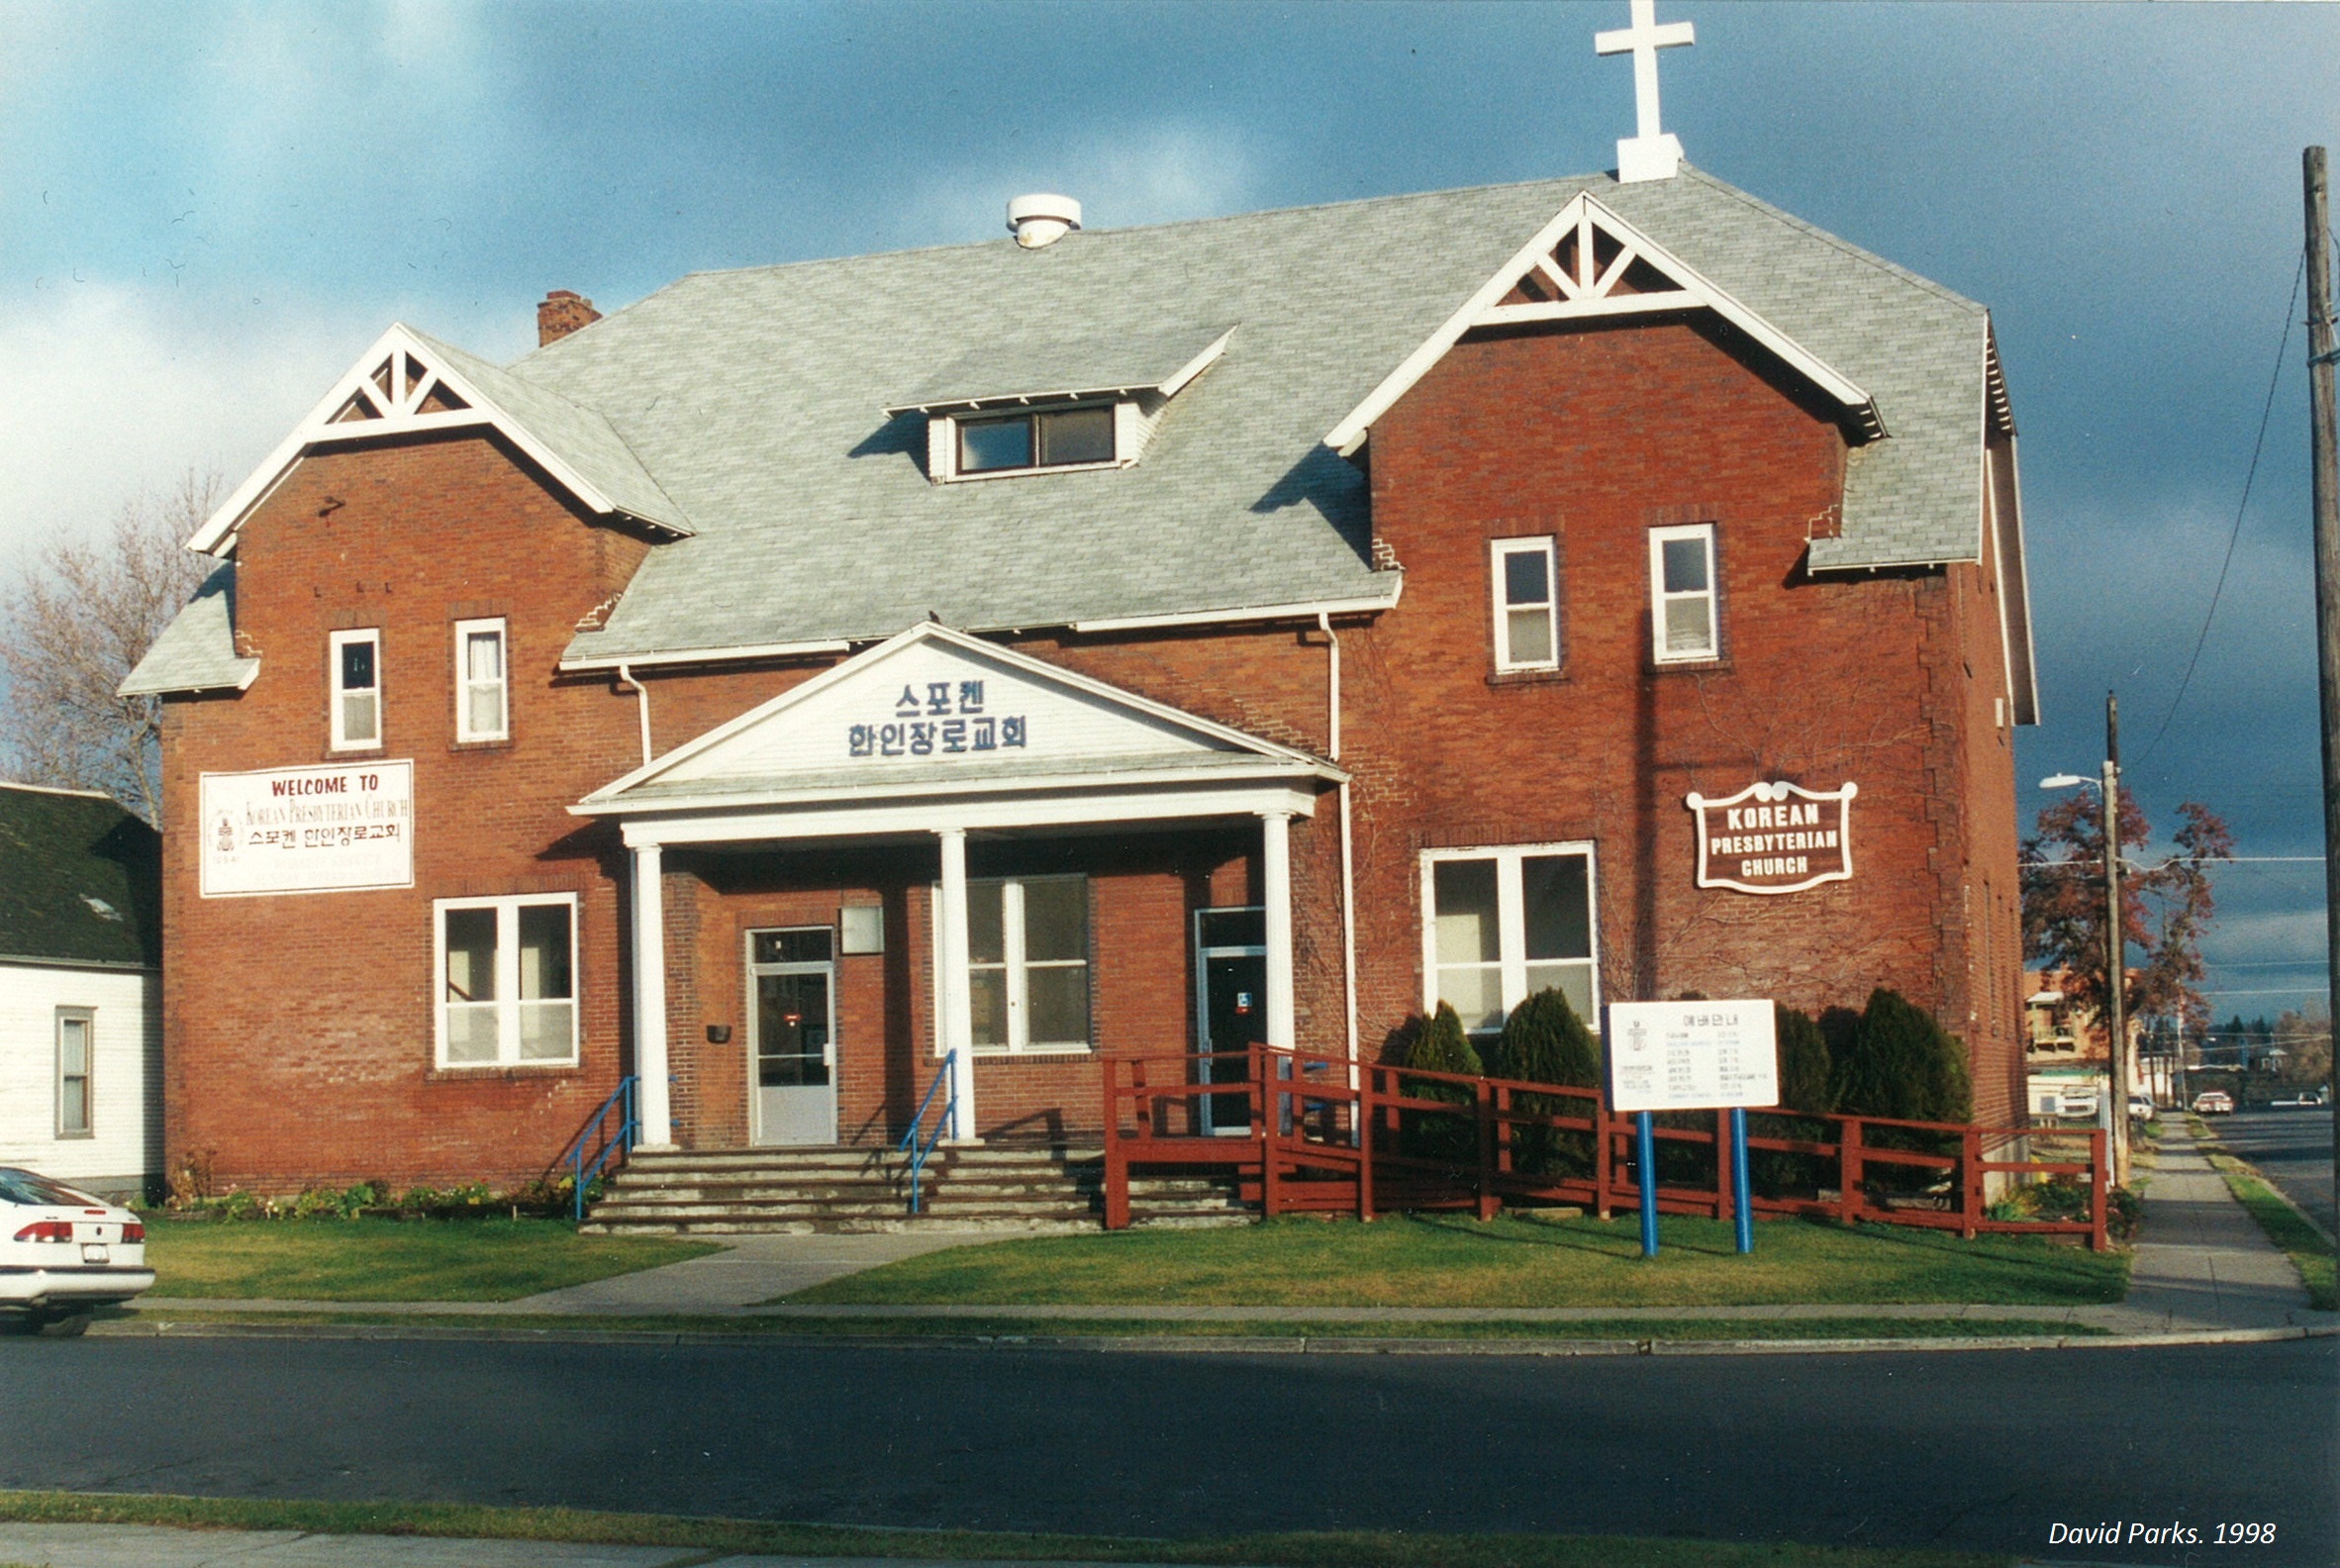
(72,623)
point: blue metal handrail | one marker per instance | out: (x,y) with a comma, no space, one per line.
(919,1143)
(582,1169)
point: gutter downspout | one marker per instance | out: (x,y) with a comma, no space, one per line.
(1348,867)
(642,706)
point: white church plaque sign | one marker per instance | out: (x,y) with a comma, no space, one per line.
(1774,838)
(1692,1055)
(308,829)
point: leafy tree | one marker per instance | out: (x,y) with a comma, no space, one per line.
(1804,1067)
(72,623)
(1902,1063)
(2164,907)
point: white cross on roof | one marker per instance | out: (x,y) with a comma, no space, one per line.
(1650,154)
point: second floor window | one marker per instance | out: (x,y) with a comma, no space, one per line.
(1684,624)
(482,689)
(1047,440)
(354,663)
(1527,604)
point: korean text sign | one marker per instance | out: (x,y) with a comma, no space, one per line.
(308,829)
(1692,1055)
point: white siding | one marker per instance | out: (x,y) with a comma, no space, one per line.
(124,1147)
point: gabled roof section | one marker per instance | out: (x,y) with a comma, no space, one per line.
(196,653)
(408,384)
(936,710)
(80,880)
(1054,368)
(1589,263)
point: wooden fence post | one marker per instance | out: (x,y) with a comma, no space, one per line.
(1603,1202)
(1970,1183)
(1848,1169)
(1117,1165)
(1482,1105)
(1366,1118)
(2099,1228)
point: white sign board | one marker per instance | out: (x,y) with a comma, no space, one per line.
(308,829)
(1692,1055)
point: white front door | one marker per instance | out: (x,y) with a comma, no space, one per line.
(791,1001)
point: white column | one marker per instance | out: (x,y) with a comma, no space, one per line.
(650,999)
(1275,855)
(955,1007)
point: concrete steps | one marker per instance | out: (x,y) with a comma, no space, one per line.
(982,1189)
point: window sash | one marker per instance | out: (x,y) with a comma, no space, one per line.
(1067,438)
(482,681)
(76,1047)
(357,708)
(1685,620)
(1014,999)
(1487,960)
(522,1009)
(1527,624)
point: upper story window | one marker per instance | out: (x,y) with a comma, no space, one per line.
(354,668)
(1527,604)
(1027,970)
(483,702)
(1682,605)
(508,980)
(1038,438)
(74,1025)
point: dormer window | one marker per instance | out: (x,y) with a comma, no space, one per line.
(1050,439)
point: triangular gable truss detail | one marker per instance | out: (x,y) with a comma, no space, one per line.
(614,795)
(1589,263)
(397,387)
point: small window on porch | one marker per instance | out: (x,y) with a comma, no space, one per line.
(1027,970)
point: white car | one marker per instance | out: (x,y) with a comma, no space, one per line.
(64,1252)
(2142,1107)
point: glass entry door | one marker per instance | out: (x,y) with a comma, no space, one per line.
(792,984)
(1231,993)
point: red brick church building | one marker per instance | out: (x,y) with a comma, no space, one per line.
(1137,640)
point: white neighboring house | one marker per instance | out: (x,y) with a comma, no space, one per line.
(80,991)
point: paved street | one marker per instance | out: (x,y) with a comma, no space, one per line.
(1978,1450)
(2293,1149)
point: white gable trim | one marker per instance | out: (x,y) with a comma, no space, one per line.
(1587,296)
(1287,758)
(397,411)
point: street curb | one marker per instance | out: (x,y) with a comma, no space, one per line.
(1197,1344)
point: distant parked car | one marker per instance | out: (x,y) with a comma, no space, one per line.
(2213,1102)
(2305,1100)
(64,1252)
(2142,1107)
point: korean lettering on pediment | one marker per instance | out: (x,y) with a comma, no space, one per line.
(938,718)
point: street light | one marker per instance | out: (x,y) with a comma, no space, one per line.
(2115,949)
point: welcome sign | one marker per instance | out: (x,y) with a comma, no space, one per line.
(308,829)
(1774,838)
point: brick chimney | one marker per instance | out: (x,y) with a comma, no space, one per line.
(562,313)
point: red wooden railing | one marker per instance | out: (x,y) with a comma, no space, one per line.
(1325,1134)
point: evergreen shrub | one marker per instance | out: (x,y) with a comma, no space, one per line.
(1901,1063)
(1544,1041)
(1440,1046)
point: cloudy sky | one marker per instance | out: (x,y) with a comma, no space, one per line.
(207,211)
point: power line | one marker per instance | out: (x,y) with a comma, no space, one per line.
(2235,533)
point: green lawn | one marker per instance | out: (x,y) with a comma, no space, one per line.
(712,1537)
(2307,1250)
(1443,1261)
(391,1259)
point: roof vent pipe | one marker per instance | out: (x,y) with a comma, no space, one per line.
(1043,220)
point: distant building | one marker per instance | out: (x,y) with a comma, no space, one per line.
(80,990)
(2068,1060)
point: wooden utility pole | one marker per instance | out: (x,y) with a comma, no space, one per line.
(2326,491)
(2116,951)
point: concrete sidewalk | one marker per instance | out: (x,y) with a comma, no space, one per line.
(154,1546)
(2202,1267)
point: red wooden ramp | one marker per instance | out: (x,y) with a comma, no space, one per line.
(1311,1133)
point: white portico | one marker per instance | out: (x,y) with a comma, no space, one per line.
(937,736)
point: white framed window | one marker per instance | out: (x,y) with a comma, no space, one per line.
(1682,605)
(76,1031)
(1027,970)
(977,446)
(483,700)
(506,980)
(353,667)
(1526,580)
(1499,925)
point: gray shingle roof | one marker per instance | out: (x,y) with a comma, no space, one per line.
(80,880)
(756,400)
(197,650)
